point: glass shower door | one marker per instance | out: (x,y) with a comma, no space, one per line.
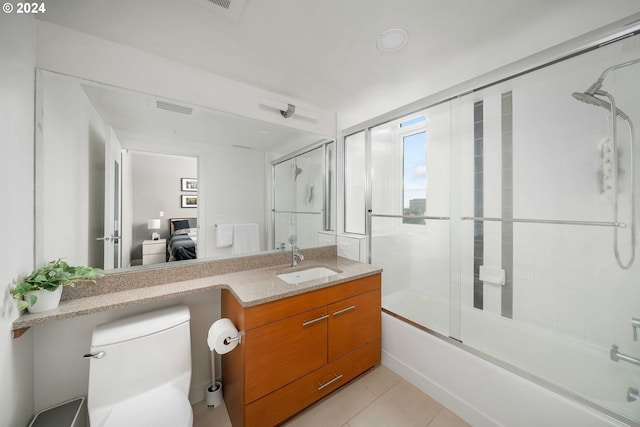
(410,227)
(299,198)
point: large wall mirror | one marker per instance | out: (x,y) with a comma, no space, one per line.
(130,180)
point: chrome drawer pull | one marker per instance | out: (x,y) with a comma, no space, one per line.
(321,386)
(335,313)
(308,322)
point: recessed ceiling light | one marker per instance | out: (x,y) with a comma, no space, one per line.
(392,40)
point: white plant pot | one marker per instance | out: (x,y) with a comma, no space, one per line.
(46,300)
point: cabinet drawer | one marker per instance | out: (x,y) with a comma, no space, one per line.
(291,399)
(154,248)
(262,314)
(153,259)
(284,351)
(353,322)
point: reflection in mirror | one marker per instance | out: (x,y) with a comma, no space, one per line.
(127,179)
(303,196)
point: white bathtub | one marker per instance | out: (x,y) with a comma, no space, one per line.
(583,371)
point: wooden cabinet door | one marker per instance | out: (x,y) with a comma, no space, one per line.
(353,322)
(283,351)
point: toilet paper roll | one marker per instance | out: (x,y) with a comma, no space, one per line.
(221,336)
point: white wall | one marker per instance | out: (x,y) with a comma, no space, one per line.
(17,50)
(62,374)
(71,155)
(236,193)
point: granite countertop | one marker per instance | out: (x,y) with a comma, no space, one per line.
(250,287)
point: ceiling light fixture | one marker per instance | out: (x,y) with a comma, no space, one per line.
(392,40)
(286,109)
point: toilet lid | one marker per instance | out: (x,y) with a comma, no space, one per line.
(160,407)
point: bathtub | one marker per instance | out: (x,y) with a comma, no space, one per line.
(505,372)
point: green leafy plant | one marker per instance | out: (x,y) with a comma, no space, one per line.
(56,273)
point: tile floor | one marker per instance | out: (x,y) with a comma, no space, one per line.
(377,398)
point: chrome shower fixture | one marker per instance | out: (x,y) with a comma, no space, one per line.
(297,172)
(590,96)
(598,84)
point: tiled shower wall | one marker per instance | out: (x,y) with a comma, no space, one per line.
(541,160)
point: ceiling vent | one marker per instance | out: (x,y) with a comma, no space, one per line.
(163,105)
(228,8)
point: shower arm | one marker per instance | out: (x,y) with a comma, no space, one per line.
(618,66)
(594,88)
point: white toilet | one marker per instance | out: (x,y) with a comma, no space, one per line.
(140,370)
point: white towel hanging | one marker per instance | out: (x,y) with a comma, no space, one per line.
(245,238)
(224,235)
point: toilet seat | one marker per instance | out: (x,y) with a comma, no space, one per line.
(161,407)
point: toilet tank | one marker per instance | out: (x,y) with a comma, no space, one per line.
(141,352)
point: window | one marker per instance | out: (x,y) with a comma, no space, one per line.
(414,147)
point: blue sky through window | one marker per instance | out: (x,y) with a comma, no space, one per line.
(415,167)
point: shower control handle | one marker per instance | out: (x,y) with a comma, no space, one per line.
(635,323)
(98,355)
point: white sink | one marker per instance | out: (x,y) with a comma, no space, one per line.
(306,275)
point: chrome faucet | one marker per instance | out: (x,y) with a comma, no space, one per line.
(616,356)
(635,324)
(295,256)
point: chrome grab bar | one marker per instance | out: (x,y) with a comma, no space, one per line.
(409,216)
(616,356)
(545,221)
(298,212)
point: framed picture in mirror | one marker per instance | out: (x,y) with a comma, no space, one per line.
(188,201)
(189,184)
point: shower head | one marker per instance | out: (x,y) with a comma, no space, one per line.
(590,98)
(589,95)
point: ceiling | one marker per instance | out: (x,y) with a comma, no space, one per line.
(135,116)
(324,52)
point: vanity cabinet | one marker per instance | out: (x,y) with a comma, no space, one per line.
(296,350)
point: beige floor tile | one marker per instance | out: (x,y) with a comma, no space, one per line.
(336,409)
(446,418)
(379,379)
(204,416)
(378,398)
(402,405)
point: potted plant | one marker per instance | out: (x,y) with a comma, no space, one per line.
(41,290)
